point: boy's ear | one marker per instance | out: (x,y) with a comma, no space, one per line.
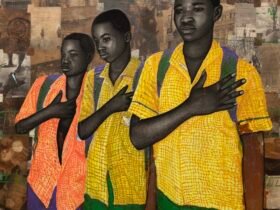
(127,36)
(218,11)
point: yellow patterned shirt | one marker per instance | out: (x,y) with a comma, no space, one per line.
(111,150)
(199,163)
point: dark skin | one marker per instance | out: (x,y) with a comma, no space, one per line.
(194,20)
(74,64)
(114,47)
(202,101)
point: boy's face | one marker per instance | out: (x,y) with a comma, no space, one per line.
(73,58)
(110,42)
(194,19)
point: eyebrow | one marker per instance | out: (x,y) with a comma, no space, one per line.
(194,4)
(198,3)
(70,51)
(178,5)
(106,34)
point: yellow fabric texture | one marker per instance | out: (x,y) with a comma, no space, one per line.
(199,163)
(111,150)
(46,173)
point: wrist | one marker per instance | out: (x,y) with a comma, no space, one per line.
(50,111)
(108,108)
(189,109)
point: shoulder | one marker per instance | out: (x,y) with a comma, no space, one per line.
(39,82)
(244,68)
(152,62)
(249,72)
(155,58)
(89,73)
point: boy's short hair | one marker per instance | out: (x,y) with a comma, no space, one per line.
(116,17)
(85,41)
(216,2)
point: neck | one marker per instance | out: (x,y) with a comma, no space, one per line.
(73,86)
(119,65)
(198,49)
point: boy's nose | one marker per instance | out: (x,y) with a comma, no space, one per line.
(187,17)
(65,60)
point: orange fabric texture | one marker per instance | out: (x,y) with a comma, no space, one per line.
(46,172)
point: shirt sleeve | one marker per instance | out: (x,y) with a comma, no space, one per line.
(87,104)
(29,105)
(145,100)
(252,112)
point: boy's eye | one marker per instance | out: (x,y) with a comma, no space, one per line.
(106,39)
(178,10)
(74,54)
(198,9)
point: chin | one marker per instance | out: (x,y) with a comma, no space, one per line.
(187,38)
(110,60)
(191,37)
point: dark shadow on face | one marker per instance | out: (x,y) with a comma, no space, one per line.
(73,58)
(194,19)
(110,43)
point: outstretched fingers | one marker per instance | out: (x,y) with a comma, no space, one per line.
(232,87)
(226,79)
(230,96)
(129,94)
(201,81)
(123,90)
(226,106)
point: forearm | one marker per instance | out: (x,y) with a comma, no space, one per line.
(158,127)
(253,170)
(89,125)
(27,124)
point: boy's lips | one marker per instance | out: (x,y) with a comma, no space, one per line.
(186,30)
(65,68)
(103,55)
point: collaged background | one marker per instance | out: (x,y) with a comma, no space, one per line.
(31,32)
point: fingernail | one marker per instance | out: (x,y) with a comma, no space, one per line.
(244,80)
(241,92)
(233,75)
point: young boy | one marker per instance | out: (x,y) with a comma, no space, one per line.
(116,176)
(57,175)
(198,159)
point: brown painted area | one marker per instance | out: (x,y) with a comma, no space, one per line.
(151,195)
(253,170)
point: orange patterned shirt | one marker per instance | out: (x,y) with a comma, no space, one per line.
(46,172)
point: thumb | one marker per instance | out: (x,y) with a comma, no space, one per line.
(123,90)
(201,81)
(58,97)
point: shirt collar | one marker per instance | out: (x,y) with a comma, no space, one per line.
(60,84)
(178,60)
(129,70)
